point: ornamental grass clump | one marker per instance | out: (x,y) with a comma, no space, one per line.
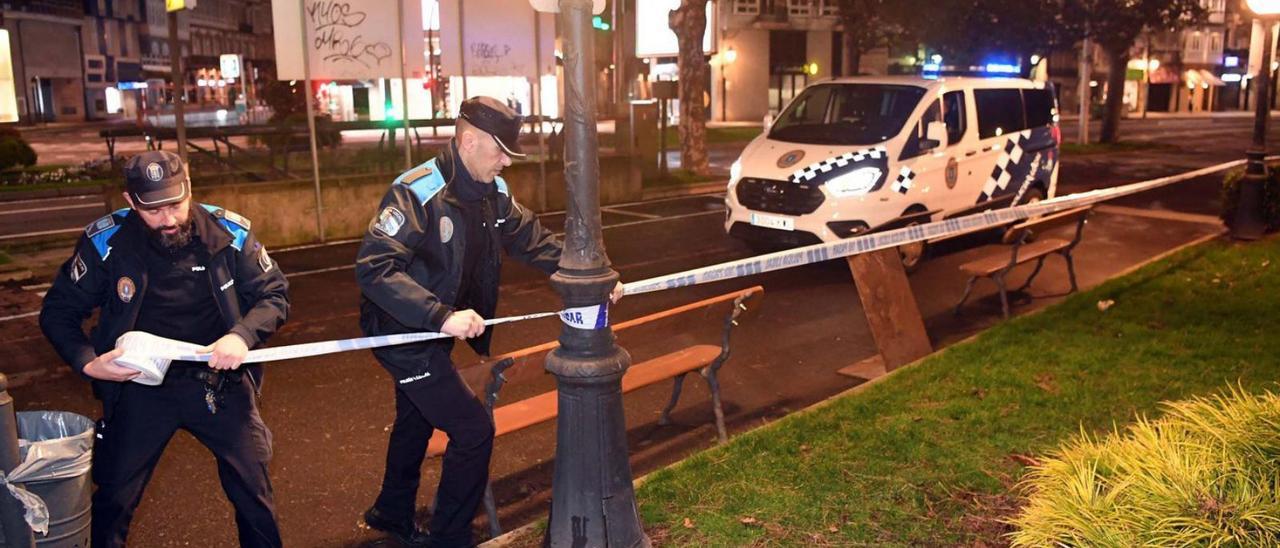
(1207,473)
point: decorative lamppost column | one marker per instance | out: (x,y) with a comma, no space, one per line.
(1249,222)
(593,501)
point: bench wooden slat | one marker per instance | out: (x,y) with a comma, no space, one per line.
(528,360)
(996,262)
(543,407)
(1047,222)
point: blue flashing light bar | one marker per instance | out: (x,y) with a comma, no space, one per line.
(1003,68)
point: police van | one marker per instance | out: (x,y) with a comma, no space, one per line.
(848,155)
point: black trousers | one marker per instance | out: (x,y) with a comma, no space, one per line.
(145,418)
(442,401)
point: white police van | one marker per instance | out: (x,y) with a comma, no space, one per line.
(851,154)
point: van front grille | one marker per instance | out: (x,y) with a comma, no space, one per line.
(784,197)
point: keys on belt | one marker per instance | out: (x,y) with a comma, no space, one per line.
(215,382)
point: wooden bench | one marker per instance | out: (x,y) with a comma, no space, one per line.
(1019,248)
(527,364)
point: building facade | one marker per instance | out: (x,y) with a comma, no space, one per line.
(45,53)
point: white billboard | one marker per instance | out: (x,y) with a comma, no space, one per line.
(497,38)
(347,39)
(654,37)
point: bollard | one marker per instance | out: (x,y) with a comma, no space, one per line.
(17,534)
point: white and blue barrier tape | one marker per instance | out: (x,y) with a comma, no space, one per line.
(151,355)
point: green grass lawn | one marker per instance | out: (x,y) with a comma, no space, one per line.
(716,135)
(931,454)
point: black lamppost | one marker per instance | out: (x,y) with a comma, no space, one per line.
(1249,222)
(593,502)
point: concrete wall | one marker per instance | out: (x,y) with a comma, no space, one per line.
(818,50)
(749,76)
(283,213)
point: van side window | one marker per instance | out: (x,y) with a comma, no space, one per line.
(954,116)
(1040,108)
(911,148)
(999,112)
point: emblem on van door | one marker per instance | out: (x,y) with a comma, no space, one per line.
(952,173)
(790,159)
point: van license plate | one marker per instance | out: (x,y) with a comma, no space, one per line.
(770,221)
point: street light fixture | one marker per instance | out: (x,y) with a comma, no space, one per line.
(1249,222)
(727,58)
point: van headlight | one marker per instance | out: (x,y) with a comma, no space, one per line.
(735,171)
(854,183)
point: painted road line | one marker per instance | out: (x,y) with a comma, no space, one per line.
(631,213)
(45,209)
(19,316)
(619,225)
(47,200)
(313,246)
(42,233)
(1162,214)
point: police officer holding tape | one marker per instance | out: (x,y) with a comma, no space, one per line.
(191,273)
(430,261)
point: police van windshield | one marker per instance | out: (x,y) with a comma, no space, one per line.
(846,114)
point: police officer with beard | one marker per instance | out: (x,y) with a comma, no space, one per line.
(430,261)
(188,272)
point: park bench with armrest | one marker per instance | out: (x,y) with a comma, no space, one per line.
(526,364)
(1019,247)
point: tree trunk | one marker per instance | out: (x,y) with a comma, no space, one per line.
(1118,61)
(852,55)
(689,22)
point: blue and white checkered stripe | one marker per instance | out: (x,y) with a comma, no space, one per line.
(812,171)
(1001,174)
(903,183)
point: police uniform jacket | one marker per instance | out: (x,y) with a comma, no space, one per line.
(108,272)
(410,262)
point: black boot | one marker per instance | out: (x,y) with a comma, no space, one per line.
(405,531)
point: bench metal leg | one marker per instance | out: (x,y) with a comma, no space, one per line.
(491,508)
(1032,277)
(968,288)
(713,383)
(1071,271)
(665,419)
(1004,293)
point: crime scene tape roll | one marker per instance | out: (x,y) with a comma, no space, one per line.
(151,355)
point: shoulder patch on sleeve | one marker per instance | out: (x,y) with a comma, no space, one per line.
(264,260)
(77,269)
(389,221)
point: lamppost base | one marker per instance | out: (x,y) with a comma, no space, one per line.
(1249,223)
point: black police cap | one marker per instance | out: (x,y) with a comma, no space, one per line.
(504,128)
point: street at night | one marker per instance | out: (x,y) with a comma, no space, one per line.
(803,273)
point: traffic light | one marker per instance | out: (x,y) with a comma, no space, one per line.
(601,23)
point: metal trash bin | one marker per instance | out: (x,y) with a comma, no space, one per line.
(57,452)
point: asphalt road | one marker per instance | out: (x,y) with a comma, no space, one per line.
(330,415)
